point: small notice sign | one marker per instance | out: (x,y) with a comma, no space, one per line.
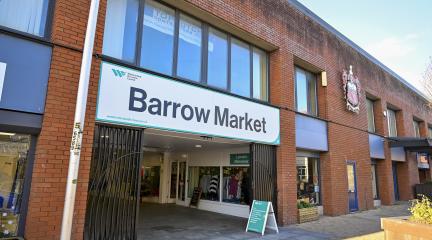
(240,159)
(261,216)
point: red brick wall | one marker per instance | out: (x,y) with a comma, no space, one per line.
(273,21)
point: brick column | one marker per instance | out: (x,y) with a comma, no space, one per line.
(408,176)
(384,167)
(281,68)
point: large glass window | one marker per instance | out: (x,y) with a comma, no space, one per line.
(167,36)
(430,132)
(306,98)
(308,186)
(240,68)
(416,126)
(391,121)
(158,38)
(217,63)
(28,16)
(13,160)
(121,29)
(207,178)
(259,74)
(370,115)
(235,183)
(189,49)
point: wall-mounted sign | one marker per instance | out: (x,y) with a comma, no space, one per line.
(351,86)
(423,160)
(132,97)
(240,159)
(2,77)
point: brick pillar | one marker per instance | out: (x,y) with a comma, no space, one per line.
(384,166)
(281,68)
(408,176)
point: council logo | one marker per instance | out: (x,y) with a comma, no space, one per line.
(118,73)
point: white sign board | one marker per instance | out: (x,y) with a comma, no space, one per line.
(2,77)
(131,97)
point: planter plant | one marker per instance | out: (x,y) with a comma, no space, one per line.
(417,226)
(307,212)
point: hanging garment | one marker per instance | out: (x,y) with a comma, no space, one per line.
(233,186)
(204,183)
(214,183)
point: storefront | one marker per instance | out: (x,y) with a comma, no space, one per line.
(163,145)
(22,104)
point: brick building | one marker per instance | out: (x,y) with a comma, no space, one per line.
(311,138)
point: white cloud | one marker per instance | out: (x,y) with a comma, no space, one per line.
(401,55)
(393,47)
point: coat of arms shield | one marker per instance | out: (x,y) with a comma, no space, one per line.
(351,86)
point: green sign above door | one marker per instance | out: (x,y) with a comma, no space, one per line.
(240,159)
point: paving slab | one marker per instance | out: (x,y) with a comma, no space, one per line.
(169,221)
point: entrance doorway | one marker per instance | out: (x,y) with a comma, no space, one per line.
(352,187)
(133,169)
(395,181)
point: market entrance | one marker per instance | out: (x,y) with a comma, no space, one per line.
(174,165)
(134,170)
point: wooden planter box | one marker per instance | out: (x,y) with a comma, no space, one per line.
(399,228)
(307,214)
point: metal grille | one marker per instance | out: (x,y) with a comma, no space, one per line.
(264,173)
(113,195)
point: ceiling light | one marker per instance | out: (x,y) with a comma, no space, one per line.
(198,146)
(7,134)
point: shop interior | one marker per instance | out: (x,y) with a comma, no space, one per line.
(176,164)
(13,161)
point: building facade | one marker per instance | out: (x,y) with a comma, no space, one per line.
(241,99)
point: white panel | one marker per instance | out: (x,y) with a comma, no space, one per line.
(376,146)
(311,133)
(398,154)
(132,97)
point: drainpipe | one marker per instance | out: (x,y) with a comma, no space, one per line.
(81,103)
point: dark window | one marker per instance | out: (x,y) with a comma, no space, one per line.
(306,98)
(28,16)
(370,115)
(391,121)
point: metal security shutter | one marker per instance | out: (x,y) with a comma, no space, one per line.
(263,168)
(113,195)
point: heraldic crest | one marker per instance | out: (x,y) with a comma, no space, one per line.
(351,86)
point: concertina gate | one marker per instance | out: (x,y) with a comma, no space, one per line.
(263,169)
(113,194)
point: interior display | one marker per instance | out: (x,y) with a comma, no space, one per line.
(207,178)
(235,185)
(13,160)
(308,186)
(150,179)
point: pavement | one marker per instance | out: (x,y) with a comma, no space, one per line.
(169,221)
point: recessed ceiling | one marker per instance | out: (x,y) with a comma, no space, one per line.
(158,140)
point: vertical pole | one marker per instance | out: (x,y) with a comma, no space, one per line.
(81,103)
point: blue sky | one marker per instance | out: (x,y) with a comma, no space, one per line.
(396,32)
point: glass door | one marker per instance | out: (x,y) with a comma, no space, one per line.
(173,182)
(352,187)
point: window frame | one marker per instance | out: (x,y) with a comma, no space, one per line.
(395,122)
(372,102)
(308,113)
(376,182)
(46,38)
(202,82)
(416,127)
